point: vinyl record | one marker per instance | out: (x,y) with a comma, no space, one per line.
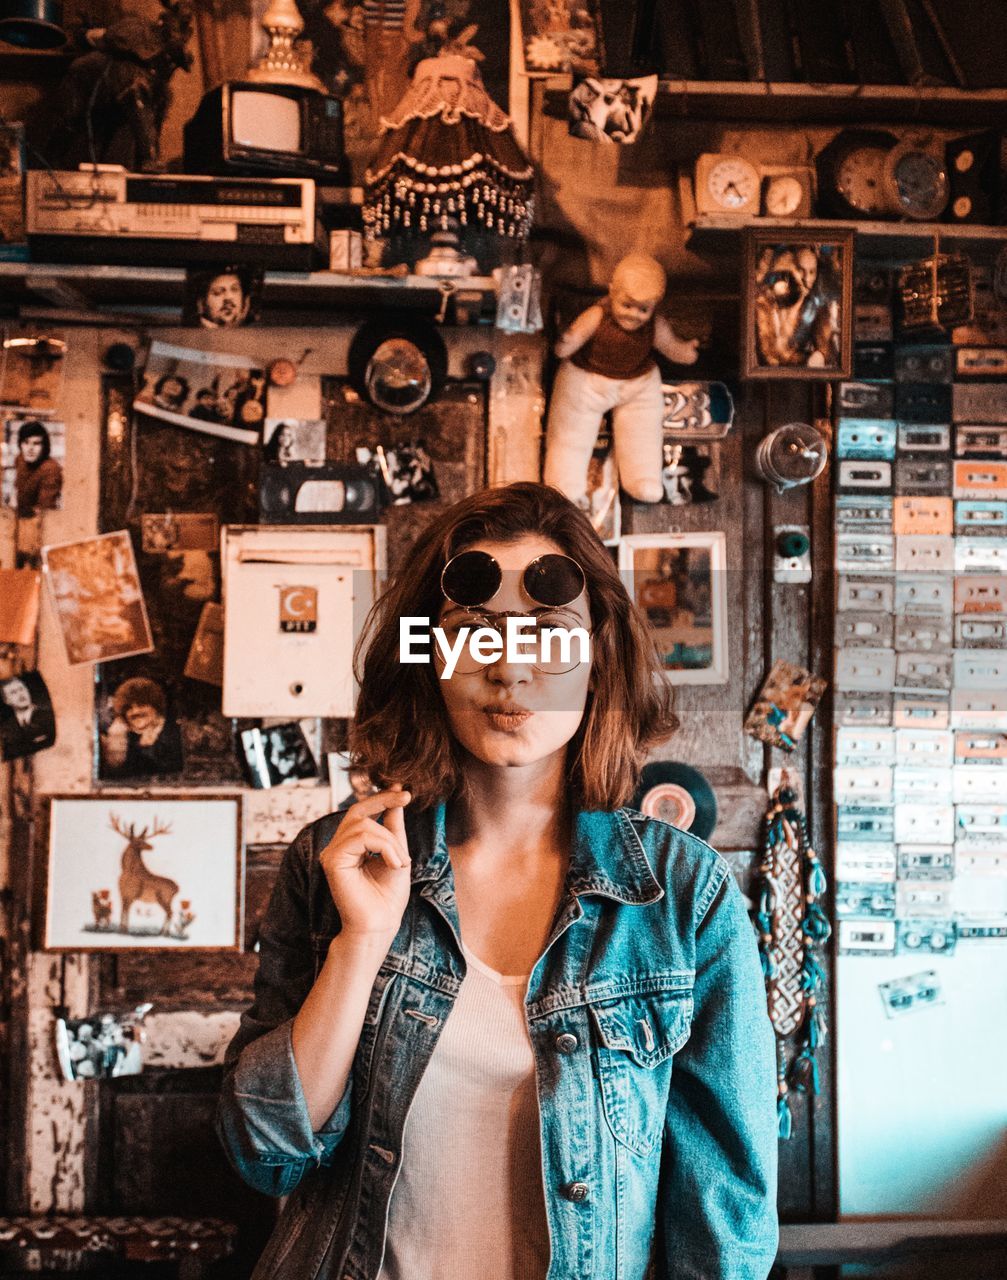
(678,794)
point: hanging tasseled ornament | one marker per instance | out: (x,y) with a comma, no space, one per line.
(792,927)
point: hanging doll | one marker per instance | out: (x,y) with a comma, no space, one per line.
(608,363)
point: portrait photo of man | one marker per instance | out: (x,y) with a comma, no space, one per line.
(224,298)
(141,740)
(27,721)
(37,473)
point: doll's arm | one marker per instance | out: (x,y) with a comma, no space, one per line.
(574,337)
(667,341)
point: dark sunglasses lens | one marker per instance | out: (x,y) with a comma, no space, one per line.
(554,580)
(473,577)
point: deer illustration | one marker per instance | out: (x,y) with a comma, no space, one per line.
(137,883)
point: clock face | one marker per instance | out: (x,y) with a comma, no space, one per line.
(783,196)
(860,179)
(734,184)
(920,184)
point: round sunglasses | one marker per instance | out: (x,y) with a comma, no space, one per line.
(474,577)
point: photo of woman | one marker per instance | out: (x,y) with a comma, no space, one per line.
(37,474)
(503,1025)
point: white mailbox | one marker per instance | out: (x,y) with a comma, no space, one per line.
(295,598)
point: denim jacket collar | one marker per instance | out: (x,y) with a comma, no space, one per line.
(606,858)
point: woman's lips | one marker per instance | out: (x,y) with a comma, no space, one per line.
(507,719)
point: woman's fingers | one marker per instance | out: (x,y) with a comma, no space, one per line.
(395,817)
(363,838)
(371,806)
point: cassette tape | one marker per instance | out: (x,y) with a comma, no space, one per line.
(986,862)
(923,671)
(980,633)
(979,478)
(982,517)
(863,823)
(923,402)
(873,553)
(873,358)
(924,824)
(865,746)
(866,400)
(922,516)
(865,862)
(915,991)
(978,709)
(875,901)
(923,898)
(979,670)
(858,629)
(979,402)
(980,362)
(872,322)
(980,594)
(924,362)
(980,554)
(855,513)
(863,784)
(866,438)
(982,820)
(937,937)
(864,476)
(978,746)
(872,595)
(920,594)
(974,930)
(857,710)
(925,748)
(926,862)
(926,785)
(976,784)
(865,670)
(920,713)
(974,440)
(924,437)
(866,937)
(918,473)
(924,554)
(923,633)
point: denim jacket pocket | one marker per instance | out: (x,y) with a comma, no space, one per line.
(638,1036)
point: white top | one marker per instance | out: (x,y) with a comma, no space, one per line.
(468,1199)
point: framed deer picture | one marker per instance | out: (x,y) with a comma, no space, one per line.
(152,873)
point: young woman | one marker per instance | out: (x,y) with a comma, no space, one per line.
(503,1028)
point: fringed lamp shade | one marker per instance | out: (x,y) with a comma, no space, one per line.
(448,160)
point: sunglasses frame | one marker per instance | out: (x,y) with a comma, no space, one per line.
(529,568)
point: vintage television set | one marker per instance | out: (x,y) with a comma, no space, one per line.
(248,127)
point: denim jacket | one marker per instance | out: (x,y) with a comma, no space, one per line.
(654,1059)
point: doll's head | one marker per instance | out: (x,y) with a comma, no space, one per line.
(638,285)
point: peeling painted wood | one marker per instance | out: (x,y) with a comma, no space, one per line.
(188,1039)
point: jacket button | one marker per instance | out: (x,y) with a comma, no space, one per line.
(566,1042)
(576,1191)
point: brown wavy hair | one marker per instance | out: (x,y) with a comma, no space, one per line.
(401,732)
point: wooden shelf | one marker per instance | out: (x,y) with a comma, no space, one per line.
(895,239)
(817,103)
(85,294)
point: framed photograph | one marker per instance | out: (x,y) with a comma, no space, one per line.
(153,873)
(679,580)
(798,314)
(96,592)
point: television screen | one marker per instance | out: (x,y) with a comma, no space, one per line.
(266,121)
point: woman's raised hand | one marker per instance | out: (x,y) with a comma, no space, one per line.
(367,866)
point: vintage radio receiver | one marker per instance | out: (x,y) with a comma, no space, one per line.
(105,214)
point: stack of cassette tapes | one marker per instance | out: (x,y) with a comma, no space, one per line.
(921,646)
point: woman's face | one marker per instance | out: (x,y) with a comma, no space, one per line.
(508,714)
(31,449)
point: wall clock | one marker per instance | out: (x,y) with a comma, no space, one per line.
(727,184)
(915,178)
(786,192)
(851,174)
